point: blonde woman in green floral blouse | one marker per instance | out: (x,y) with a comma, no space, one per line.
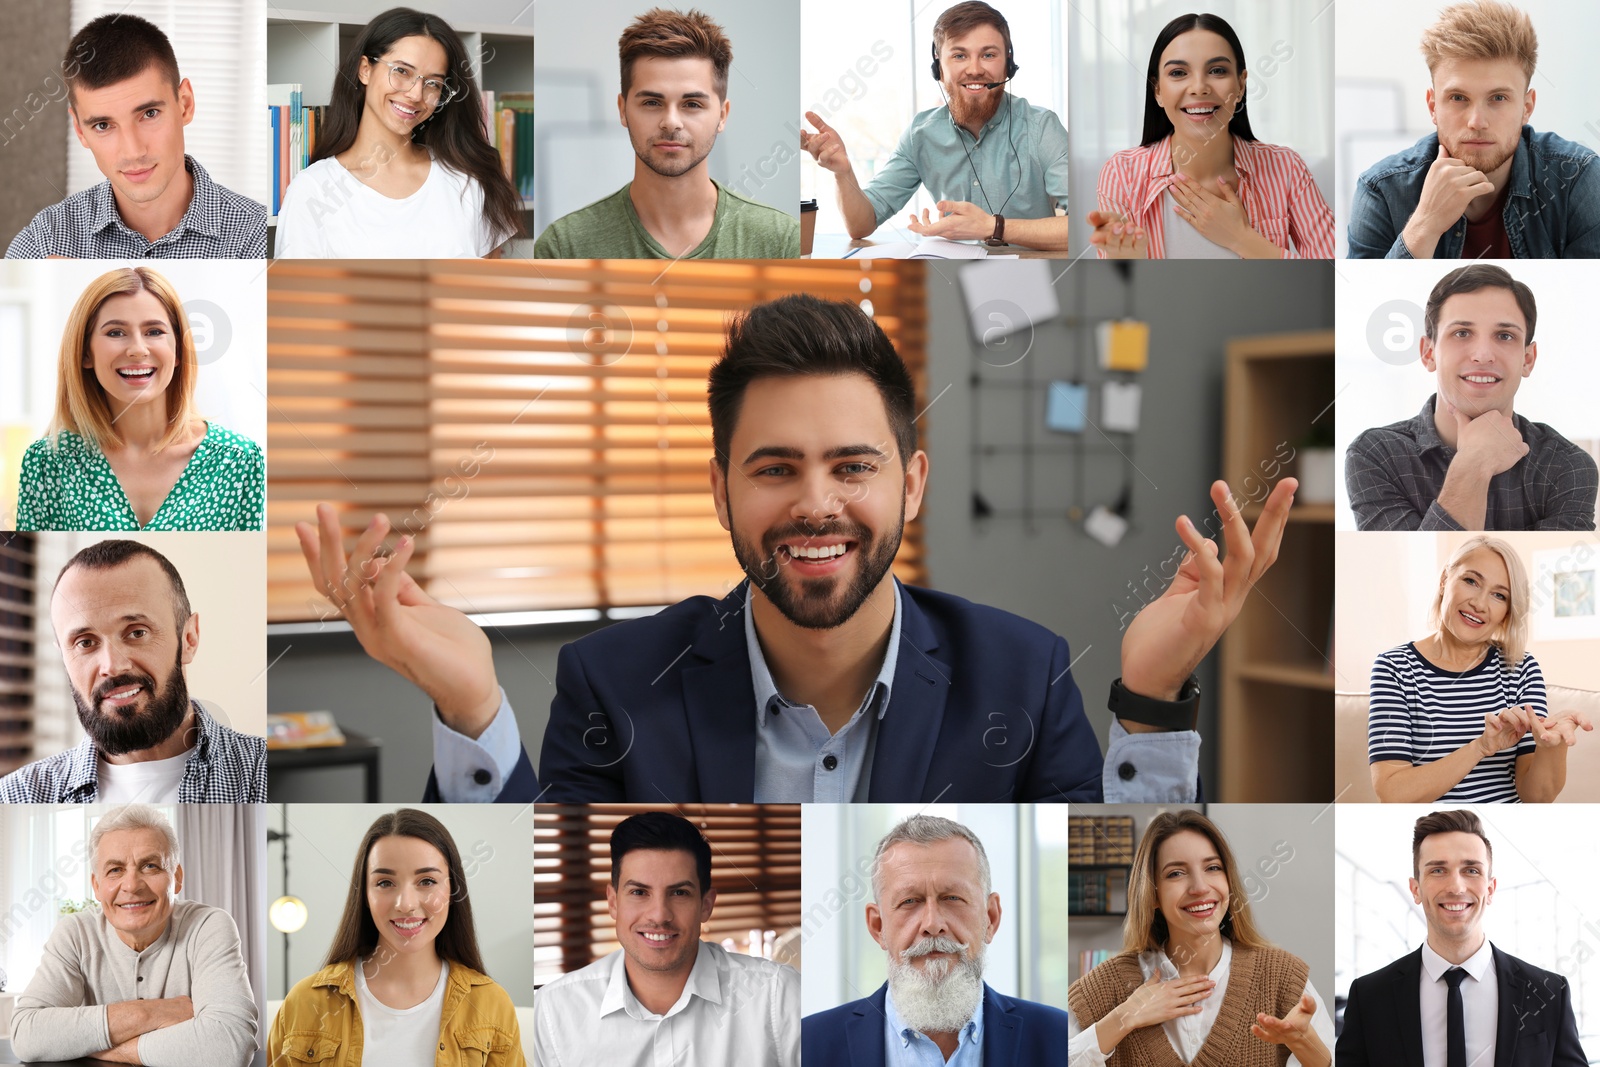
(126,449)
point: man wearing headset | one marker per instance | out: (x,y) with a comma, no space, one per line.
(997,164)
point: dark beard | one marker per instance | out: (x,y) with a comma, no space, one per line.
(973,112)
(117,733)
(811,602)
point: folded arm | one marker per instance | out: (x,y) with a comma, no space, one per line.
(222,1032)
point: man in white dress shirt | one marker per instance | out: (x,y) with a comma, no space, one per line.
(1457,1001)
(666,997)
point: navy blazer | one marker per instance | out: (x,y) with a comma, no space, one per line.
(983,709)
(521,788)
(1383,1017)
(1015,1032)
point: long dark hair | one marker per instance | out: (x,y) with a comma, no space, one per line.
(454,132)
(357,935)
(1156,123)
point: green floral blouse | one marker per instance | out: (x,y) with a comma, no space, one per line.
(72,487)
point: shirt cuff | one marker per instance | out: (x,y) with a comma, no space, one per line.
(474,771)
(1151,768)
(1438,518)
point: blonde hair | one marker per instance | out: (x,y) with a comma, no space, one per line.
(1145,928)
(1483,29)
(1511,636)
(81,404)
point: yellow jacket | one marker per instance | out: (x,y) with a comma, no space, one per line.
(320,1023)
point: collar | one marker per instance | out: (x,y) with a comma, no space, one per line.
(998,120)
(703,983)
(1520,180)
(1424,429)
(1479,964)
(767,690)
(202,217)
(903,1033)
(83,777)
(1158,962)
(1159,173)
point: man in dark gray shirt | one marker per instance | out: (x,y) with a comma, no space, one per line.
(1467,461)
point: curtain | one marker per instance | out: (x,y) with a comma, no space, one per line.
(225,865)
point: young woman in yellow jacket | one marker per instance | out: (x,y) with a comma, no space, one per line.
(403,984)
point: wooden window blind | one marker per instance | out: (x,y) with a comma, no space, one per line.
(755,869)
(539,426)
(19,584)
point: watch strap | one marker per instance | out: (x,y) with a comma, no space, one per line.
(1180,714)
(999,235)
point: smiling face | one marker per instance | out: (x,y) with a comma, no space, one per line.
(408,894)
(134,128)
(1475,596)
(967,65)
(132,350)
(1480,106)
(1191,886)
(815,496)
(1481,353)
(1454,887)
(672,113)
(658,907)
(1199,84)
(124,652)
(135,884)
(401,110)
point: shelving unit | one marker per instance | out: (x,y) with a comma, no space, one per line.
(1275,717)
(307,46)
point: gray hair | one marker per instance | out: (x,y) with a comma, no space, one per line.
(928,830)
(136,817)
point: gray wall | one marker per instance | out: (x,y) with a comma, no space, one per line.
(33,119)
(1053,573)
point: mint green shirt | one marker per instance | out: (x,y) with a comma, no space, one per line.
(610,229)
(71,486)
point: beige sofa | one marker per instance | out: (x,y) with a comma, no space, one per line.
(1353,781)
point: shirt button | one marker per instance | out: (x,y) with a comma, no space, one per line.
(974,183)
(1126,772)
(830,761)
(141,978)
(481,776)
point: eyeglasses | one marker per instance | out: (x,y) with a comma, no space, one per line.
(401,78)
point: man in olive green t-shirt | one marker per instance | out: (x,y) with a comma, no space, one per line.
(673,104)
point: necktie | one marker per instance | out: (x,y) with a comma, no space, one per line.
(1456,1028)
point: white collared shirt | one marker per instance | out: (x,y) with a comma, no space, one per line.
(1480,999)
(735,1011)
(1187,1033)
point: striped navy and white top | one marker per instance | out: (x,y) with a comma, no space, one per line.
(1420,712)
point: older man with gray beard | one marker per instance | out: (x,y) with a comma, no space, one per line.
(934,914)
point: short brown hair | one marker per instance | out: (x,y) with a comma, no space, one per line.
(1470,279)
(114,48)
(1446,822)
(962,19)
(676,35)
(1482,29)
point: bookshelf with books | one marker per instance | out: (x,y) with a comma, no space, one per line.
(303,50)
(1099,851)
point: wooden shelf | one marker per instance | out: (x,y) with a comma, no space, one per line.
(1307,676)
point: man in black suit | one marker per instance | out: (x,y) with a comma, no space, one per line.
(1414,1011)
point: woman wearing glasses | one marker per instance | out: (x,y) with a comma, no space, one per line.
(403,167)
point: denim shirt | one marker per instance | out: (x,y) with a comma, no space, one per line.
(1552,208)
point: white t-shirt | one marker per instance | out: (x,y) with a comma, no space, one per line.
(151,782)
(400,1037)
(1183,241)
(327,213)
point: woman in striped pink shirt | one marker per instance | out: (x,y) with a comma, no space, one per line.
(1200,186)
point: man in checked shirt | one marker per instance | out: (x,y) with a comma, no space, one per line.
(1467,461)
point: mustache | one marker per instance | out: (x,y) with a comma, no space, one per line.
(929,945)
(797,531)
(122,681)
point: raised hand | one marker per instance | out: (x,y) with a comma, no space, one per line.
(825,146)
(1169,638)
(1294,1031)
(1559,730)
(435,647)
(1120,238)
(960,221)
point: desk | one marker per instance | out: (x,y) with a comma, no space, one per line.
(357,749)
(9,1057)
(835,245)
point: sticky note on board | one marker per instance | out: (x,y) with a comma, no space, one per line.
(1064,409)
(1119,406)
(1124,345)
(1105,526)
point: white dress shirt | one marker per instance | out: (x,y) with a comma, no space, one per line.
(1480,999)
(1187,1033)
(735,1011)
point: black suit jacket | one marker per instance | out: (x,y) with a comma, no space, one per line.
(1383,1017)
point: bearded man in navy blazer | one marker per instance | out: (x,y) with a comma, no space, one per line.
(821,678)
(1415,1011)
(933,913)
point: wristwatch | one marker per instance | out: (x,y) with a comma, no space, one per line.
(1180,714)
(999,236)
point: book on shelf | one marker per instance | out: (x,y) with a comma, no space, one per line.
(303,729)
